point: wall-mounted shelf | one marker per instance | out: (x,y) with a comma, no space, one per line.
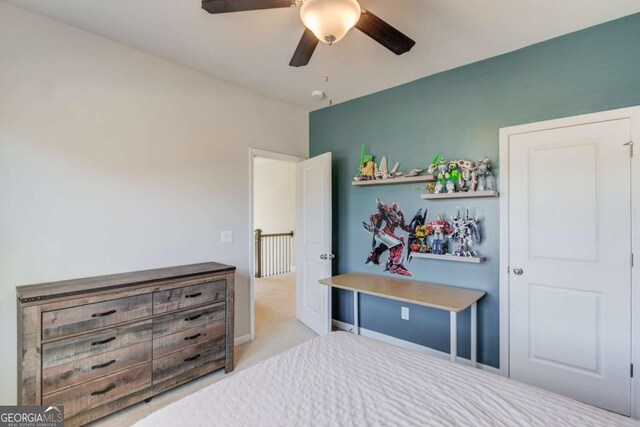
(460,195)
(469,259)
(395,181)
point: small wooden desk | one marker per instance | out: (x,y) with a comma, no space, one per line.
(451,299)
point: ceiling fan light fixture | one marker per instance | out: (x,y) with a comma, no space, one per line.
(330,20)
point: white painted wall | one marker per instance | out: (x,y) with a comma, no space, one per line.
(113,160)
(274,208)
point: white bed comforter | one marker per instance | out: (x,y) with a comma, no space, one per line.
(345,380)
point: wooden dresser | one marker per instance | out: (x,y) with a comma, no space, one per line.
(99,344)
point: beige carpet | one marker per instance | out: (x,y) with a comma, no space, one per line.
(276,330)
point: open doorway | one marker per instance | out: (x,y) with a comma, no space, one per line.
(273,279)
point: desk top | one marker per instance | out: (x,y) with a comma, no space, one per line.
(437,296)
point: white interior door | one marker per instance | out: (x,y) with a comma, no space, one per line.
(313,245)
(570,270)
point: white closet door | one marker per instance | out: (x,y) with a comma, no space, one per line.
(570,272)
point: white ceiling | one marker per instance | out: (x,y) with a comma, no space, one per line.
(253,49)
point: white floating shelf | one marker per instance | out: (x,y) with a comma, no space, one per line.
(469,259)
(460,195)
(397,180)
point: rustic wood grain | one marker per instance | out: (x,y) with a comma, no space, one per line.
(188,337)
(29,356)
(170,324)
(179,298)
(133,290)
(230,312)
(438,296)
(106,408)
(98,391)
(113,281)
(67,350)
(83,318)
(79,371)
(121,353)
(189,358)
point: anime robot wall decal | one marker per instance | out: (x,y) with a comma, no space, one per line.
(382,225)
(465,230)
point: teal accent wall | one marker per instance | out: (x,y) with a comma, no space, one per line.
(458,113)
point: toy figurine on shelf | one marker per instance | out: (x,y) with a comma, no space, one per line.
(465,231)
(382,225)
(368,170)
(438,228)
(366,167)
(485,177)
(394,171)
(469,176)
(440,165)
(453,176)
(431,187)
(418,238)
(382,172)
(412,172)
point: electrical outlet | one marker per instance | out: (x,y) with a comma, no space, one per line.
(226,236)
(404,313)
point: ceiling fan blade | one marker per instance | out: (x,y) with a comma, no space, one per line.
(305,49)
(384,33)
(225,6)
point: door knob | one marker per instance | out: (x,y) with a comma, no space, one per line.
(518,271)
(327,256)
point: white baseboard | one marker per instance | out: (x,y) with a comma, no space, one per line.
(242,340)
(410,345)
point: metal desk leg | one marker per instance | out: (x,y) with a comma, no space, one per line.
(454,336)
(356,314)
(474,332)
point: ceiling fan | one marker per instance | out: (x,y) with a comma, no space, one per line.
(325,20)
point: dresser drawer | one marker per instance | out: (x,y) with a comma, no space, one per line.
(79,371)
(209,352)
(101,390)
(84,318)
(88,345)
(188,319)
(175,299)
(188,337)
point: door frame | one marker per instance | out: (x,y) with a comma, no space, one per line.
(272,155)
(631,113)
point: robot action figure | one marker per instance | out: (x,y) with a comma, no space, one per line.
(382,226)
(469,176)
(437,228)
(443,174)
(466,231)
(485,176)
(419,233)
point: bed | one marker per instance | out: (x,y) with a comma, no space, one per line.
(341,379)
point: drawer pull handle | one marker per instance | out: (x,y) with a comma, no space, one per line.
(192,337)
(106,313)
(107,389)
(104,365)
(103,341)
(192,358)
(188,319)
(197,294)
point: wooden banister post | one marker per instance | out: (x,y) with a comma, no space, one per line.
(258,237)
